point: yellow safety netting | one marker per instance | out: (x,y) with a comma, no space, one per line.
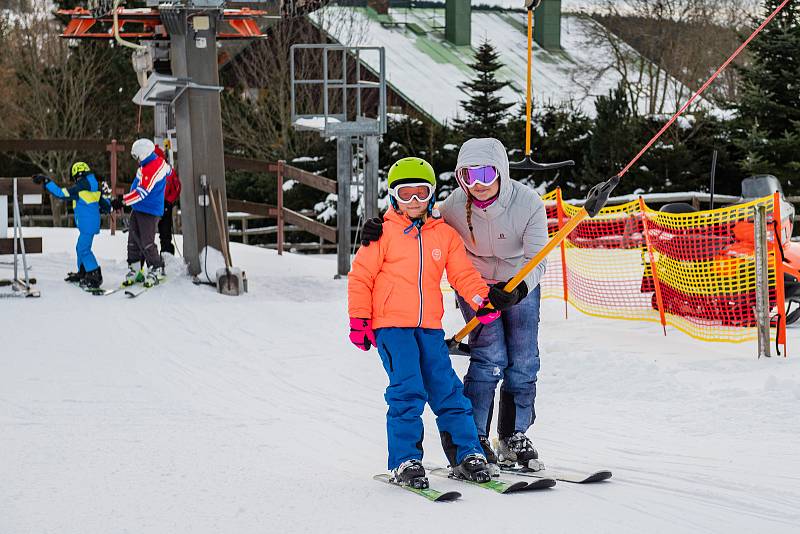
(704,282)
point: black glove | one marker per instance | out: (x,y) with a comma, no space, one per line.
(116,203)
(372,231)
(40,179)
(502,300)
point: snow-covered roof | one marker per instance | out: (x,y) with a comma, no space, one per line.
(566,5)
(427,70)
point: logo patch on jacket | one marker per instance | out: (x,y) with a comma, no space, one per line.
(437,254)
(502,236)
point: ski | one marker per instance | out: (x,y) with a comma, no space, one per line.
(135,292)
(100,292)
(575,477)
(429,493)
(97,291)
(500,486)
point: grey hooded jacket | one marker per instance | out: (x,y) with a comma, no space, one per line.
(510,231)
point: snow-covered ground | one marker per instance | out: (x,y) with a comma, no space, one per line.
(188,411)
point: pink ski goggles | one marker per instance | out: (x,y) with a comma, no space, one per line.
(484,175)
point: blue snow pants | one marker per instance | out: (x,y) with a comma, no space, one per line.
(508,350)
(418,364)
(84,250)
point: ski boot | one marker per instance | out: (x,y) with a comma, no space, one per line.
(473,468)
(518,449)
(411,473)
(133,276)
(76,277)
(93,279)
(153,277)
(491,457)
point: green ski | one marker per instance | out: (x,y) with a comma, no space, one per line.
(500,486)
(429,493)
(134,292)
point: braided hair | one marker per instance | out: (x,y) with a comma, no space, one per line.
(469,218)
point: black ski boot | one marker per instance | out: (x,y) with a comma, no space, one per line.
(93,279)
(411,473)
(491,457)
(520,450)
(473,468)
(76,277)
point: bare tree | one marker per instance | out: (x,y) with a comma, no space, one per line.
(51,90)
(664,49)
(257,113)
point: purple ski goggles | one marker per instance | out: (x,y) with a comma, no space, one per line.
(484,175)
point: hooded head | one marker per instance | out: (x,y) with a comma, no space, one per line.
(485,151)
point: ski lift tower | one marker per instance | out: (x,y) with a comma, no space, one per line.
(353,110)
(179,37)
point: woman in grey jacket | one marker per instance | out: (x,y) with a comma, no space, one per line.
(503,224)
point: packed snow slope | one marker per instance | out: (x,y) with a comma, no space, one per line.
(185,411)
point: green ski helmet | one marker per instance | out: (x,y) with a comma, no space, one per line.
(411,171)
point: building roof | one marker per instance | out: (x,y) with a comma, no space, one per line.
(427,70)
(566,5)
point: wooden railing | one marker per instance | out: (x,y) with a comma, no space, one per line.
(71,145)
(281,213)
(283,172)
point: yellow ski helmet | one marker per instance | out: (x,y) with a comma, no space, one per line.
(79,169)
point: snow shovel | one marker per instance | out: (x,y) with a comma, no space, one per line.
(229,280)
(528,164)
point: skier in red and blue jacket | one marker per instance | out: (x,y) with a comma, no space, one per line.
(146,200)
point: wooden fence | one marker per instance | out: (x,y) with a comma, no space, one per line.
(281,213)
(249,210)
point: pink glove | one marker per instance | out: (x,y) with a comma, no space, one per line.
(487,315)
(361,334)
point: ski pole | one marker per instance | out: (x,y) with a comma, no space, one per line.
(598,195)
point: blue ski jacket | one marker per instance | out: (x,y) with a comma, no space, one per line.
(86,200)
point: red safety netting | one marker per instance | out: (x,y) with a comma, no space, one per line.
(700,279)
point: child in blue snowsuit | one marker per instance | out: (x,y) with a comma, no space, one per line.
(87,203)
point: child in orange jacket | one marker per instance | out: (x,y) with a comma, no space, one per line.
(395,303)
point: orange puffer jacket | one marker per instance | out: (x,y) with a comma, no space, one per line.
(396,281)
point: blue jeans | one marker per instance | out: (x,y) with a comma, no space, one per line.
(417,361)
(508,350)
(83,249)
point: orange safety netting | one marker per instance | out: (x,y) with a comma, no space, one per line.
(701,277)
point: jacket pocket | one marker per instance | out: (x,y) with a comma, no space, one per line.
(382,298)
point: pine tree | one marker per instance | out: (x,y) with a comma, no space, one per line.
(614,131)
(769,106)
(486,112)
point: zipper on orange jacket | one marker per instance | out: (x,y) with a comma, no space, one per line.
(419,279)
